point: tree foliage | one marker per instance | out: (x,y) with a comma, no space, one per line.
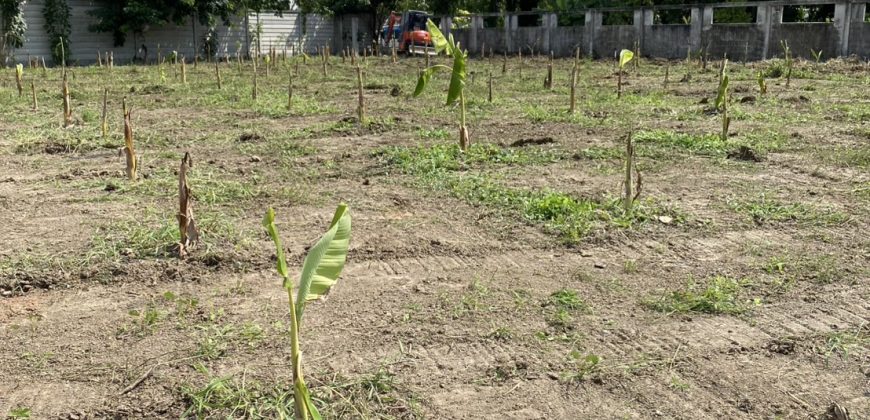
(57,26)
(124,17)
(12,24)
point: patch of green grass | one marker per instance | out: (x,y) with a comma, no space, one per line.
(721,296)
(422,159)
(822,269)
(501,334)
(374,396)
(572,218)
(702,144)
(850,157)
(143,323)
(567,299)
(435,133)
(654,143)
(19,413)
(215,341)
(584,367)
(560,320)
(766,210)
(472,301)
(842,343)
(539,114)
(155,235)
(678,384)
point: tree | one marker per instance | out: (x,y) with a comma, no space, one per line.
(12,24)
(57,26)
(123,17)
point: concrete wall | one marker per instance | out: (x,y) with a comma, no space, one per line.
(292,31)
(668,41)
(738,41)
(847,34)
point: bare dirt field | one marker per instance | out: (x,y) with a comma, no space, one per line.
(503,282)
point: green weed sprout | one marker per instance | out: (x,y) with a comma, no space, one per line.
(320,271)
(456,91)
(624,57)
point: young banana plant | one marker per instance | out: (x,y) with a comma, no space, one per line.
(762,85)
(624,57)
(722,102)
(456,91)
(320,271)
(19,74)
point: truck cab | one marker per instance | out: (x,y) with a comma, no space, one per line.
(407,32)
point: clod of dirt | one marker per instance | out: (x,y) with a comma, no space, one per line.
(781,346)
(536,142)
(745,153)
(396,90)
(744,405)
(256,159)
(665,219)
(747,99)
(250,137)
(111,187)
(797,99)
(55,148)
(704,101)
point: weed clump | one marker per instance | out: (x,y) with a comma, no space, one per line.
(721,296)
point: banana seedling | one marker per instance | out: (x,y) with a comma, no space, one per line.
(456,91)
(624,57)
(722,102)
(789,63)
(33,93)
(629,198)
(129,152)
(762,85)
(104,118)
(320,271)
(19,78)
(189,235)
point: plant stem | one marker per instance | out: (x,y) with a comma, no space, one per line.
(463,131)
(296,357)
(629,156)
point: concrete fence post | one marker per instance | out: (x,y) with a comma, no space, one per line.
(549,22)
(695,31)
(648,20)
(856,20)
(594,19)
(637,21)
(842,23)
(354,28)
(472,36)
(508,45)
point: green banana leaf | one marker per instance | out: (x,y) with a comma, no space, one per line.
(269,224)
(624,57)
(426,76)
(438,38)
(324,261)
(721,96)
(457,79)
